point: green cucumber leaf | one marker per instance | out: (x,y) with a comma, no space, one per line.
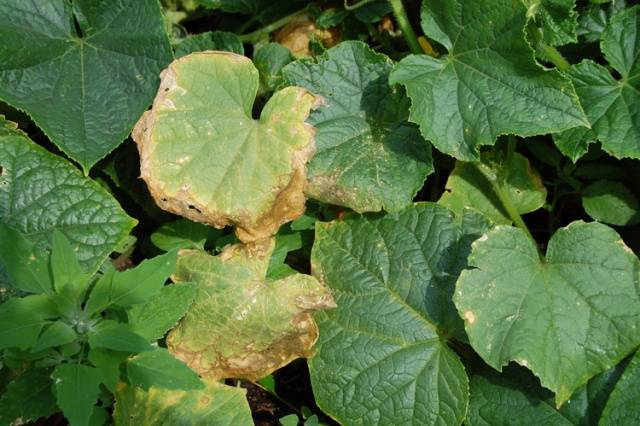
(269,60)
(503,399)
(160,369)
(210,40)
(26,268)
(86,84)
(76,387)
(285,243)
(183,233)
(595,18)
(368,157)
(382,355)
(22,320)
(217,404)
(27,398)
(579,306)
(611,202)
(117,337)
(211,161)
(622,406)
(161,312)
(241,323)
(488,84)
(471,185)
(558,20)
(40,192)
(246,7)
(612,105)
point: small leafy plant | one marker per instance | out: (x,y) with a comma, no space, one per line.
(433,203)
(73,336)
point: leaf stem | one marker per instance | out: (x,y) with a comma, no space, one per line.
(503,194)
(407,30)
(554,56)
(258,34)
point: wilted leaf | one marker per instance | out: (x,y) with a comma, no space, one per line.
(83,70)
(217,404)
(205,158)
(579,306)
(368,156)
(488,84)
(241,324)
(296,36)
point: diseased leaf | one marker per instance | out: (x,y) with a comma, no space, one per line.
(84,71)
(76,387)
(217,404)
(470,185)
(612,105)
(500,399)
(622,406)
(611,202)
(579,306)
(210,40)
(205,158)
(27,398)
(488,84)
(160,369)
(382,354)
(368,156)
(161,312)
(557,19)
(40,192)
(241,324)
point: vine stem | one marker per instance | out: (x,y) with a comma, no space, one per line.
(554,56)
(357,5)
(407,30)
(258,34)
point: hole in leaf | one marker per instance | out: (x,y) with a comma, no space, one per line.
(194,208)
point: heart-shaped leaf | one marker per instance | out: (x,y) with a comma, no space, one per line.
(242,324)
(205,158)
(40,192)
(488,84)
(368,156)
(382,355)
(612,105)
(567,317)
(84,70)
